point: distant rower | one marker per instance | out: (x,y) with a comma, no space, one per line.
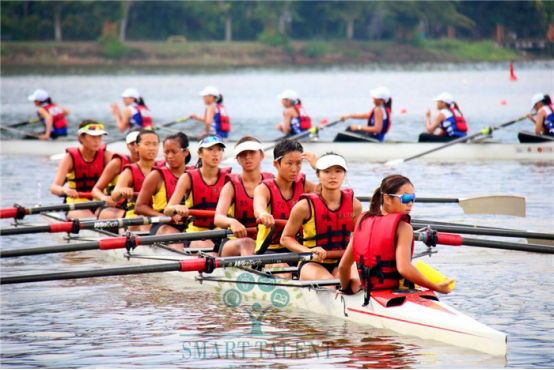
(50,114)
(450,121)
(216,119)
(82,167)
(544,123)
(295,118)
(135,114)
(378,119)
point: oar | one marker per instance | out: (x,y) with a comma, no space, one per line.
(457,240)
(510,205)
(23,123)
(75,226)
(313,130)
(202,264)
(20,132)
(19,212)
(484,132)
(122,137)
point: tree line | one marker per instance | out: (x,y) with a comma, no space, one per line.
(88,20)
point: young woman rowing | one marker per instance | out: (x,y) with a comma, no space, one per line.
(543,107)
(135,114)
(295,118)
(82,167)
(450,122)
(235,209)
(132,178)
(107,182)
(383,241)
(326,217)
(200,189)
(274,199)
(378,119)
(216,119)
(50,114)
(160,184)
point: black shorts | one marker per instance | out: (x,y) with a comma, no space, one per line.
(328,266)
(155,227)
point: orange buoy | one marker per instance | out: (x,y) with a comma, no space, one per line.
(403,111)
(503,102)
(512,75)
(324,121)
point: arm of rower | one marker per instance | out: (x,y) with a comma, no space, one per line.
(48,121)
(124,182)
(262,197)
(151,185)
(210,113)
(65,167)
(287,117)
(539,128)
(345,265)
(310,187)
(226,197)
(181,189)
(299,213)
(111,171)
(66,112)
(108,155)
(378,123)
(431,127)
(404,237)
(357,116)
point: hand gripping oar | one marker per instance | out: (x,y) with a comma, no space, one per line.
(19,212)
(484,132)
(457,240)
(205,264)
(75,226)
(510,205)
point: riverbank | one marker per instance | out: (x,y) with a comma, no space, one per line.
(250,53)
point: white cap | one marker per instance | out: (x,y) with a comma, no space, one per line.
(330,160)
(132,137)
(445,97)
(210,90)
(39,95)
(210,141)
(380,93)
(535,99)
(247,145)
(93,129)
(131,93)
(288,94)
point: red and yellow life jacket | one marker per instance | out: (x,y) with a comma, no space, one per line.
(206,196)
(125,160)
(244,203)
(85,174)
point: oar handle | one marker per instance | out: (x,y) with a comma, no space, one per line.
(280,223)
(10,213)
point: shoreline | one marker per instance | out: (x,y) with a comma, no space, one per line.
(252,54)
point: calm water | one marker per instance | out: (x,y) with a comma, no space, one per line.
(141,322)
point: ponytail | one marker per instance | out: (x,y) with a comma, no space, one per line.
(388,104)
(376,203)
(140,101)
(219,99)
(547,100)
(457,108)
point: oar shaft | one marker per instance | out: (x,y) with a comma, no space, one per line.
(14,212)
(61,248)
(484,231)
(367,198)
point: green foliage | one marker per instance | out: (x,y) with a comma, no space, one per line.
(316,49)
(482,50)
(275,40)
(113,48)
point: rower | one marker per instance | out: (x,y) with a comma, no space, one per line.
(216,119)
(326,218)
(383,243)
(107,182)
(82,167)
(450,121)
(274,199)
(200,189)
(160,184)
(135,114)
(235,209)
(50,114)
(295,118)
(543,108)
(378,119)
(131,179)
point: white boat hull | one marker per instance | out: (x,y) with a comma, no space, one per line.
(357,152)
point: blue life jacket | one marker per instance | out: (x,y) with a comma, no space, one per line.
(386,123)
(549,119)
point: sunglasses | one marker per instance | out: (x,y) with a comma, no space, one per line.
(404,198)
(210,139)
(92,127)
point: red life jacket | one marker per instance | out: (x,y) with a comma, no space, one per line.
(374,249)
(224,120)
(206,196)
(138,180)
(281,207)
(244,203)
(303,118)
(145,114)
(125,160)
(386,122)
(169,179)
(461,124)
(333,228)
(58,118)
(86,173)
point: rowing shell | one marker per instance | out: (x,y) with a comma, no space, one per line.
(416,313)
(357,152)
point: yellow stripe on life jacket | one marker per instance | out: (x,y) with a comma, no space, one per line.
(309,231)
(263,233)
(160,199)
(71,185)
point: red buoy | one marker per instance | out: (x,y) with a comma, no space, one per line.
(403,111)
(512,75)
(324,121)
(503,102)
